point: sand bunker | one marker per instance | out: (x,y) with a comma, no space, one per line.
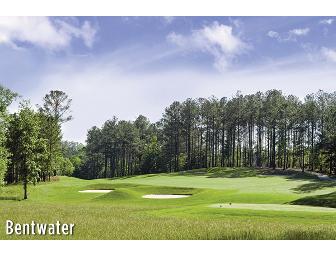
(274,207)
(95,191)
(161,196)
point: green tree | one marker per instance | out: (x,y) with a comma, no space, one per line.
(6,98)
(29,145)
(55,109)
(151,156)
(258,130)
(65,167)
(172,133)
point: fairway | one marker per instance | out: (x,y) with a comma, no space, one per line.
(218,203)
(274,207)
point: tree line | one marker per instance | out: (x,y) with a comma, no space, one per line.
(268,129)
(31,147)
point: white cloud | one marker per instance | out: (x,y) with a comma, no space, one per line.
(177,39)
(236,22)
(329,54)
(326,21)
(102,88)
(289,36)
(216,39)
(273,34)
(44,32)
(299,32)
(86,32)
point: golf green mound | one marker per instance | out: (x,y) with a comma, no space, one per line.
(95,191)
(273,207)
(164,196)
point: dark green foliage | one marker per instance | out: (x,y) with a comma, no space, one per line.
(121,148)
(31,141)
(27,147)
(268,129)
(6,98)
(54,112)
(73,157)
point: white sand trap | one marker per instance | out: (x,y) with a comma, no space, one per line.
(161,196)
(274,207)
(95,191)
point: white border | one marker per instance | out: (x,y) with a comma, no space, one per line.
(168,7)
(167,247)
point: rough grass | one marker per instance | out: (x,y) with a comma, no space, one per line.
(124,214)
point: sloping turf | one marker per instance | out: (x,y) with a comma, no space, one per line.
(274,207)
(264,205)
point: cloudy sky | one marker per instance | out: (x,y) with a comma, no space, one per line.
(126,66)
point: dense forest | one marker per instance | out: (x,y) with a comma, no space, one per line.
(269,130)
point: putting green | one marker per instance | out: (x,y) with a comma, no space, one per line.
(274,207)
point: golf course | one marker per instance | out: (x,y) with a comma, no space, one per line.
(214,203)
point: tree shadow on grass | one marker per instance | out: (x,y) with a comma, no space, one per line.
(244,172)
(193,172)
(315,185)
(235,173)
(229,172)
(325,200)
(120,178)
(132,176)
(302,176)
(219,172)
(14,198)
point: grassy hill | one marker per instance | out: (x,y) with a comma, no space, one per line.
(224,204)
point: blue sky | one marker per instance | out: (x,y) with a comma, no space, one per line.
(126,66)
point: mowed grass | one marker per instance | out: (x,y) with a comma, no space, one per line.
(256,196)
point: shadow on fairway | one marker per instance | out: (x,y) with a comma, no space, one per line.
(326,200)
(132,176)
(121,178)
(315,185)
(235,173)
(218,172)
(15,198)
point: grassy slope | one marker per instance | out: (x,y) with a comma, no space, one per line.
(124,214)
